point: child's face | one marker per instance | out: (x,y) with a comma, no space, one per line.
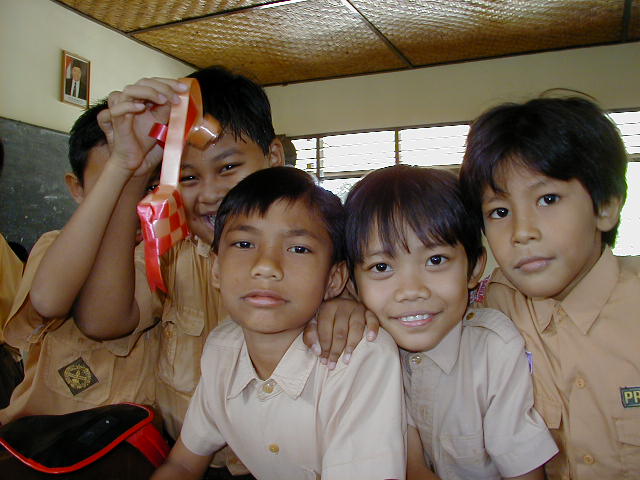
(419,295)
(96,161)
(543,232)
(274,271)
(207,175)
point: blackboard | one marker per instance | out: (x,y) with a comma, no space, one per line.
(33,195)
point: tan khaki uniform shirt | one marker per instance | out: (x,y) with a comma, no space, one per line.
(10,274)
(186,315)
(471,400)
(586,367)
(305,420)
(64,370)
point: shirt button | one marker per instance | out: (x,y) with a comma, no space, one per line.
(267,387)
(580,383)
(417,358)
(470,315)
(588,459)
(273,448)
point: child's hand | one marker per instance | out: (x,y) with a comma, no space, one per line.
(129,119)
(339,328)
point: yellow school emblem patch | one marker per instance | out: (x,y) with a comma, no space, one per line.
(77,376)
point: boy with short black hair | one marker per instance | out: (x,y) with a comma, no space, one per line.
(65,369)
(547,178)
(279,240)
(414,253)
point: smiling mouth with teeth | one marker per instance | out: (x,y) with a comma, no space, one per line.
(416,320)
(211,219)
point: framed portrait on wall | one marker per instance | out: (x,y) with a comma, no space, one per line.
(76,80)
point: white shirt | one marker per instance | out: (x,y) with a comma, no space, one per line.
(471,400)
(305,420)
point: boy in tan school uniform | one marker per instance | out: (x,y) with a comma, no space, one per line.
(65,369)
(190,309)
(262,392)
(548,179)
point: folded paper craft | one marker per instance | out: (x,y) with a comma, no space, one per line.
(162,215)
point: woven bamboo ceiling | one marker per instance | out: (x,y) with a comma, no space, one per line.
(285,41)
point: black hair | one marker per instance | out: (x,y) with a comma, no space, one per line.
(85,135)
(1,155)
(562,138)
(258,191)
(427,200)
(239,104)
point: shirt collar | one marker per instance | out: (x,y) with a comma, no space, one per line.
(584,303)
(445,354)
(202,248)
(291,373)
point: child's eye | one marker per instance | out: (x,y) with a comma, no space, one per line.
(548,199)
(242,244)
(298,249)
(187,178)
(228,167)
(381,267)
(499,212)
(151,188)
(437,260)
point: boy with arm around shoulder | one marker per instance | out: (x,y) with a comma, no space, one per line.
(547,178)
(414,254)
(280,243)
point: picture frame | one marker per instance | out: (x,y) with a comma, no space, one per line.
(75,80)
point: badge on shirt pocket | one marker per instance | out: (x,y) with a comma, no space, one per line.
(630,396)
(77,376)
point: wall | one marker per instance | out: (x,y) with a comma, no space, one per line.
(33,34)
(455,93)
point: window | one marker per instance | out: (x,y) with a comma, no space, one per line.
(340,160)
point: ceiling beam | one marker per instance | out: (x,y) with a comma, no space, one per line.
(379,34)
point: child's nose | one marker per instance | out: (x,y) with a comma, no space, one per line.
(267,265)
(411,288)
(524,229)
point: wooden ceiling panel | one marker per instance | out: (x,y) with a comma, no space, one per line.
(283,41)
(130,15)
(305,40)
(437,31)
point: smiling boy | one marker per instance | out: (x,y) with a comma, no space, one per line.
(414,254)
(547,178)
(279,240)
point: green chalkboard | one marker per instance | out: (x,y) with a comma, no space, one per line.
(33,196)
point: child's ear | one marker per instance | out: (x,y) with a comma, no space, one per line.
(215,269)
(276,153)
(478,270)
(609,214)
(75,187)
(338,276)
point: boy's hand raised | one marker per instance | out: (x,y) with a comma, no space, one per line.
(338,328)
(128,121)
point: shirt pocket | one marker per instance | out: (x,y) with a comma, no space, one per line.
(628,434)
(465,457)
(181,346)
(76,367)
(550,410)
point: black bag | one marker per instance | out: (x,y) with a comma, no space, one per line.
(66,443)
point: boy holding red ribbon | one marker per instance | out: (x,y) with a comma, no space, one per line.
(190,308)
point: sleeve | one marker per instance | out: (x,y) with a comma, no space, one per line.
(363,412)
(200,433)
(10,274)
(25,326)
(516,437)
